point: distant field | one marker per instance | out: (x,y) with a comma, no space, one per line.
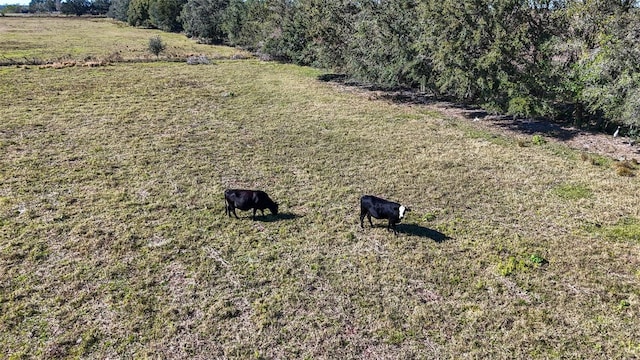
(36,39)
(114,243)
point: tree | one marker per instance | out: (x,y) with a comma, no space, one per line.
(251,23)
(100,7)
(119,10)
(203,19)
(331,30)
(12,9)
(138,13)
(288,38)
(235,19)
(602,74)
(494,53)
(382,49)
(42,6)
(164,14)
(76,7)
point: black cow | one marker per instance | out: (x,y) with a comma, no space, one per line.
(246,200)
(381,209)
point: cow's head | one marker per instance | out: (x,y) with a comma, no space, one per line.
(274,208)
(403,210)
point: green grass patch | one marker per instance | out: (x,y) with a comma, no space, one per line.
(596,160)
(572,191)
(627,229)
(519,264)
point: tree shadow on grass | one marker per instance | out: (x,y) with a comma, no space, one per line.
(400,95)
(421,231)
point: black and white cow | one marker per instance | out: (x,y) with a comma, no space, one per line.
(246,200)
(381,209)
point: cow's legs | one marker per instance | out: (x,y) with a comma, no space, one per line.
(392,226)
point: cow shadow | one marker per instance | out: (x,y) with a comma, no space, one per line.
(421,231)
(279,217)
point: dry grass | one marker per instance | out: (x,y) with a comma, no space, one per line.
(114,243)
(626,167)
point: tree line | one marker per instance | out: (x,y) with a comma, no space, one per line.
(573,60)
(68,7)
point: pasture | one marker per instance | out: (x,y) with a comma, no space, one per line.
(114,242)
(42,40)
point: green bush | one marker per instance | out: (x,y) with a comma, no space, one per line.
(156,46)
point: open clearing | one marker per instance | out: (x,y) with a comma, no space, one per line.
(114,243)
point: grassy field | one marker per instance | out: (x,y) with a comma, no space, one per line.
(114,242)
(42,40)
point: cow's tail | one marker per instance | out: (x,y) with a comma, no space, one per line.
(226,203)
